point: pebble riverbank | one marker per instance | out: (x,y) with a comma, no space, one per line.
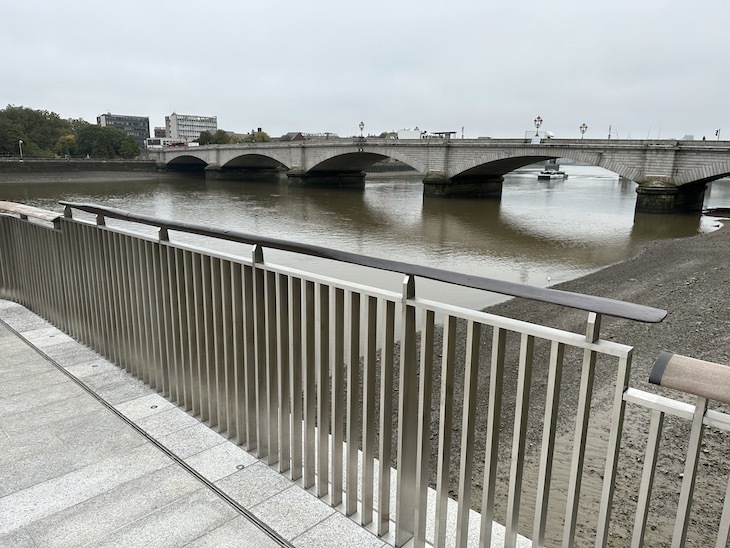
(690,278)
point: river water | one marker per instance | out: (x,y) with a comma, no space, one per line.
(539,233)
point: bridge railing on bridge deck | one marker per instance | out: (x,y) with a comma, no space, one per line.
(333,382)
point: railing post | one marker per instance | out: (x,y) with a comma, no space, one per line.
(614,446)
(690,474)
(581,430)
(407,419)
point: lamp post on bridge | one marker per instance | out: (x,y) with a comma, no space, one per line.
(538,123)
(583,128)
(20,146)
(362,126)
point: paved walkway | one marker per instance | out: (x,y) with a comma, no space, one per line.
(91,456)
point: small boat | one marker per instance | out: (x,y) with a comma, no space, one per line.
(551,171)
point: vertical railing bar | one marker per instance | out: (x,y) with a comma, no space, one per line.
(613,448)
(188,335)
(283,363)
(227,407)
(118,283)
(125,307)
(647,478)
(92,334)
(200,406)
(239,350)
(62,292)
(723,532)
(71,244)
(62,278)
(581,430)
(694,445)
(468,422)
(162,309)
(386,413)
(135,307)
(494,413)
(145,364)
(446,424)
(30,272)
(353,402)
(259,293)
(368,406)
(172,315)
(250,363)
(156,326)
(216,373)
(272,369)
(148,368)
(322,321)
(522,407)
(113,297)
(295,372)
(552,402)
(89,333)
(207,365)
(423,454)
(407,419)
(5,261)
(107,296)
(310,408)
(337,354)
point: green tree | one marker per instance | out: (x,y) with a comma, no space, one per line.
(105,142)
(40,129)
(257,137)
(10,134)
(128,149)
(205,138)
(66,144)
(220,137)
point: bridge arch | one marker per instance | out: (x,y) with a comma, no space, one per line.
(186,162)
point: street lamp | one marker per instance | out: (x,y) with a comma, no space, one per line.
(538,123)
(362,126)
(20,145)
(583,128)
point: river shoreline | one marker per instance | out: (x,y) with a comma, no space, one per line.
(689,278)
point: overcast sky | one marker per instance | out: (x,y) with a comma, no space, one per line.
(643,67)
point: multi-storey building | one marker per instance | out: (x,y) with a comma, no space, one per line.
(188,127)
(137,127)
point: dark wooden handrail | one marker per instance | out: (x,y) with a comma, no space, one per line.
(590,303)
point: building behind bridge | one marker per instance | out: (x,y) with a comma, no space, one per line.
(137,127)
(188,127)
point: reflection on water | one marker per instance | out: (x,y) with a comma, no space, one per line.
(538,233)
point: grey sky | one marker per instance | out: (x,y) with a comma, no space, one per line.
(644,67)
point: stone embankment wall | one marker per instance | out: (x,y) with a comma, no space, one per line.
(63,166)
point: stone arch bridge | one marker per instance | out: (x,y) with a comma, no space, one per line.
(672,175)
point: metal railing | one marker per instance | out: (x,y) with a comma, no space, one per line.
(334,383)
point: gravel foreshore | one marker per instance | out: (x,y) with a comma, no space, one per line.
(690,278)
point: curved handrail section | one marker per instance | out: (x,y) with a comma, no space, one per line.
(589,303)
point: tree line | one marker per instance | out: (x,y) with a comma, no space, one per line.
(221,137)
(45,134)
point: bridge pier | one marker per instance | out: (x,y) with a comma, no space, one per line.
(214,172)
(347,179)
(663,196)
(438,185)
